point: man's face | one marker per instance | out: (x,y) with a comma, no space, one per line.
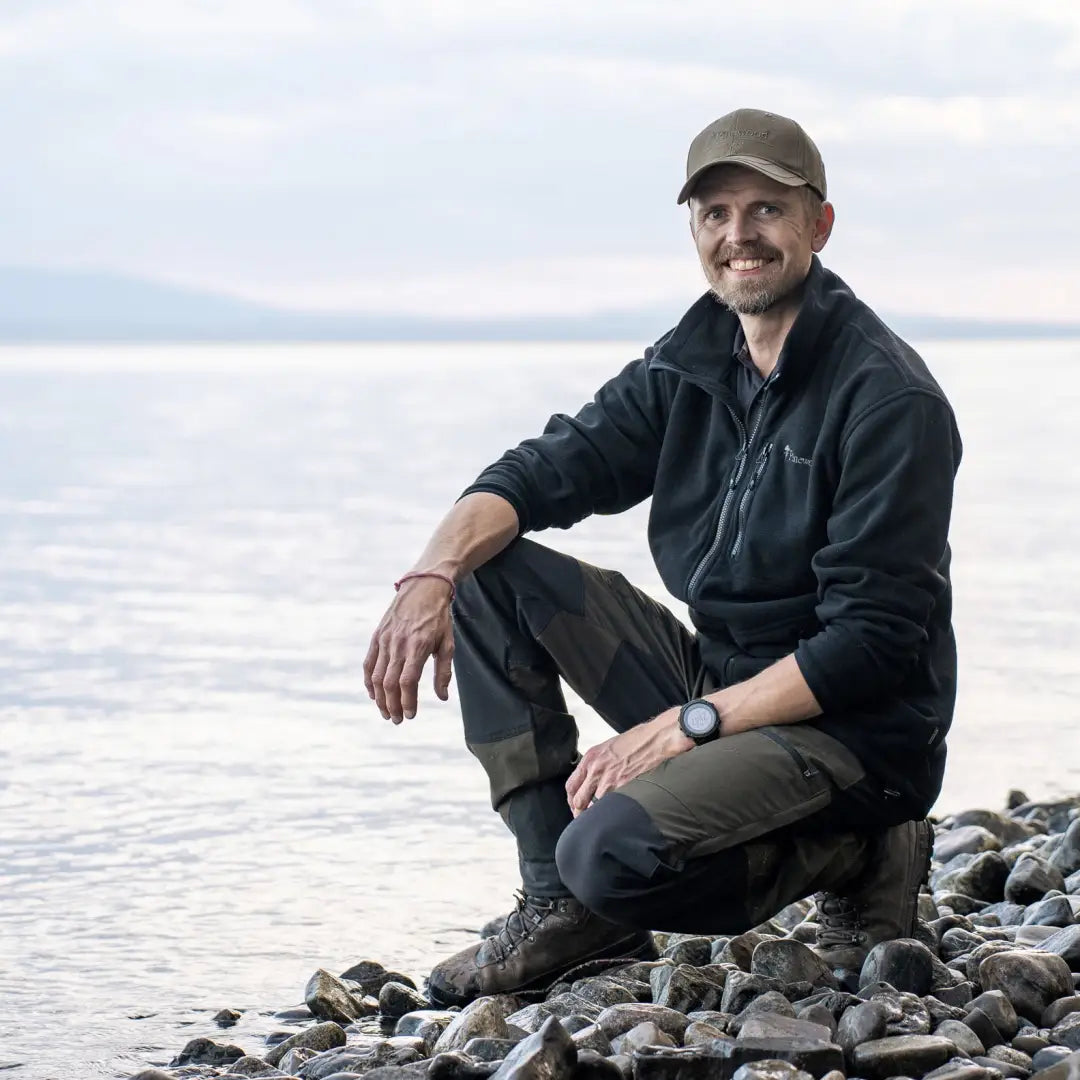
(754,236)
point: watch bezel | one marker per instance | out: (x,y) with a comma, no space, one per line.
(709,736)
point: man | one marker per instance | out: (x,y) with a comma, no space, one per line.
(800,460)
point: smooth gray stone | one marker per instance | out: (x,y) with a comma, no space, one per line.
(961,1068)
(939,1011)
(689,949)
(1055,911)
(569,1004)
(1057,1010)
(603,992)
(344,1059)
(724,1058)
(739,950)
(982,879)
(592,1038)
(329,998)
(454,1065)
(1008,913)
(701,1033)
(1011,1056)
(412,1022)
(771,1003)
(741,988)
(1066,1032)
(396,999)
(531,1018)
(959,942)
(685,990)
(226,1018)
(817,1013)
(489,1049)
(593,1066)
(1029,1042)
(1051,1055)
(549,1054)
(370,975)
(573,1024)
(146,1074)
(1066,944)
(1006,829)
(902,1055)
(984,1027)
(790,961)
(1067,857)
(905,1013)
(1000,1011)
(207,1052)
(299,1014)
(860,1024)
(967,1042)
(1034,935)
(483,1018)
(1072,882)
(1031,878)
(972,839)
(295,1059)
(618,1019)
(321,1037)
(906,964)
(774,1026)
(1030,980)
(770,1069)
(637,1038)
(973,961)
(959,995)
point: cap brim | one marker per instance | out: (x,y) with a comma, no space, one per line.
(767,168)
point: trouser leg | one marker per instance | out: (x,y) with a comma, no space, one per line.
(721,837)
(523,620)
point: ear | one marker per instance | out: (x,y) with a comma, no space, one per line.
(823,227)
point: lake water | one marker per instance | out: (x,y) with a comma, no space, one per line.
(200,806)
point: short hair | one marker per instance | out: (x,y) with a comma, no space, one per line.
(813,202)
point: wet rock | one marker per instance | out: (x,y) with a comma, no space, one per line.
(972,839)
(982,879)
(903,1055)
(775,1026)
(396,999)
(569,1004)
(701,1033)
(1030,980)
(771,1003)
(739,950)
(369,975)
(603,992)
(454,1065)
(618,1019)
(1066,1032)
(253,1066)
(146,1074)
(646,1034)
(593,1066)
(1044,1059)
(790,961)
(1066,859)
(999,1009)
(1066,944)
(906,964)
(412,1022)
(592,1038)
(973,961)
(957,941)
(321,1037)
(1033,935)
(685,990)
(957,1032)
(227,1018)
(741,988)
(489,1049)
(1055,911)
(722,1059)
(1031,1043)
(770,1069)
(984,1027)
(817,1013)
(549,1054)
(484,1018)
(1030,879)
(531,1018)
(960,994)
(300,1014)
(689,949)
(573,1023)
(295,1059)
(1057,1010)
(207,1052)
(329,998)
(860,1024)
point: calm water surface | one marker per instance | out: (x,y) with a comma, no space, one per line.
(199,805)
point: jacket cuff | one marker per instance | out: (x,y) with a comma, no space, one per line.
(520,508)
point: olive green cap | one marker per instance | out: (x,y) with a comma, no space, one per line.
(770,144)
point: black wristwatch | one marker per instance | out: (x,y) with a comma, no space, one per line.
(699,720)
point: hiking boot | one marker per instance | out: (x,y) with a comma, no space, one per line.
(878,904)
(539,940)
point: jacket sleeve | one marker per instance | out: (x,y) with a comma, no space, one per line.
(603,460)
(879,573)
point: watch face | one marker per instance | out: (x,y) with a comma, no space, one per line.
(699,718)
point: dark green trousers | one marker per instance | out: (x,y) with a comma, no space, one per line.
(713,840)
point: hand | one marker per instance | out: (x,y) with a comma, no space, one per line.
(416,625)
(618,760)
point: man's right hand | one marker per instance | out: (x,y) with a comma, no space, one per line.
(416,625)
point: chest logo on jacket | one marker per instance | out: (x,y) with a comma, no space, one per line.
(794,459)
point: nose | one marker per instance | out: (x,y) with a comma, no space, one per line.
(741,228)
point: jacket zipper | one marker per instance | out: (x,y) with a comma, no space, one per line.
(744,502)
(733,483)
(805,768)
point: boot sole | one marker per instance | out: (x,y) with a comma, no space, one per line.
(608,957)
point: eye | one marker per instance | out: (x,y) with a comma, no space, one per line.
(769,210)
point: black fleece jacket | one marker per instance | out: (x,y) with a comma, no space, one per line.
(818,526)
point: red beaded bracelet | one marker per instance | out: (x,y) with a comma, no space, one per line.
(427,573)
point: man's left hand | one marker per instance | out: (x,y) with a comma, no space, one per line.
(620,759)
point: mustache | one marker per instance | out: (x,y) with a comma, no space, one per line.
(747,251)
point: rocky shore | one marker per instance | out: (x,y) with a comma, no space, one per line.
(987,990)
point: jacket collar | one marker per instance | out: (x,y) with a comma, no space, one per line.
(702,344)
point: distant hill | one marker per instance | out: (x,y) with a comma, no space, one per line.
(73,305)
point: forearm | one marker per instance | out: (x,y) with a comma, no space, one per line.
(477,528)
(777,695)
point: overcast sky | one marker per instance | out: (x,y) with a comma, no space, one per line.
(503,157)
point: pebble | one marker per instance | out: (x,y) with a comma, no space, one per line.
(547,1053)
(790,962)
(906,964)
(483,1018)
(207,1052)
(320,1037)
(1030,980)
(329,998)
(227,1018)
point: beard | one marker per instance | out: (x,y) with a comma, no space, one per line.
(748,296)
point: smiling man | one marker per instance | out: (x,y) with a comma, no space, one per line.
(800,460)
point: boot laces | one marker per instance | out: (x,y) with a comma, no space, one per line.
(529,912)
(839,920)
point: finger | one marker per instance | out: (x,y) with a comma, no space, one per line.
(377,675)
(410,677)
(369,665)
(392,685)
(581,798)
(443,667)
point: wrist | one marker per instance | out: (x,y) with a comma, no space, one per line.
(426,575)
